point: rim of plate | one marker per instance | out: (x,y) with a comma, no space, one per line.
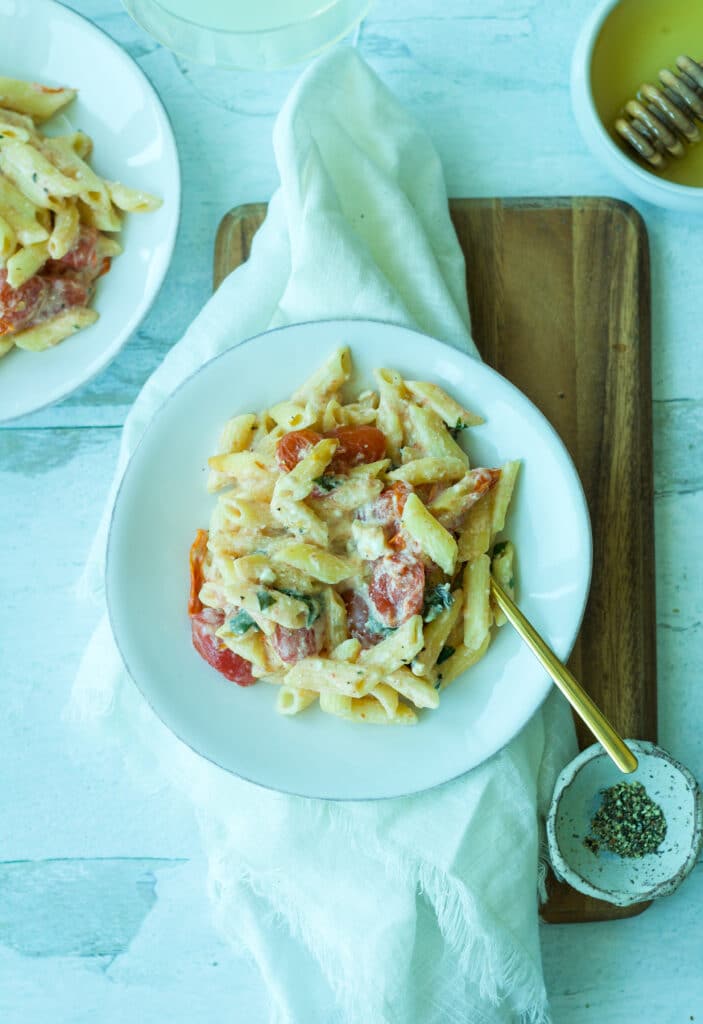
(340,323)
(169,238)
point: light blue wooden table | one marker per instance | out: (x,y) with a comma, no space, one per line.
(103,914)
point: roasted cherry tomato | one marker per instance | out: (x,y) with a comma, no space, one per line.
(357,445)
(215,653)
(197,556)
(294,644)
(358,619)
(397,588)
(83,255)
(482,481)
(387,509)
(19,306)
(295,446)
(67,291)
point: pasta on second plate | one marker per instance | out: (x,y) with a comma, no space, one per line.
(54,215)
(349,554)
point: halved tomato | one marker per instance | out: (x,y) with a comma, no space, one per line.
(357,445)
(198,551)
(294,446)
(210,647)
(397,588)
(294,644)
(358,619)
(19,306)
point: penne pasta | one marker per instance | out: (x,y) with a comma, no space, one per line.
(331,376)
(366,709)
(387,697)
(51,332)
(25,263)
(428,433)
(337,627)
(53,210)
(502,494)
(65,231)
(475,536)
(458,662)
(347,581)
(132,200)
(347,650)
(503,568)
(250,472)
(8,240)
(477,614)
(16,125)
(20,214)
(422,693)
(292,415)
(34,175)
(297,484)
(301,520)
(319,564)
(320,674)
(291,701)
(436,634)
(429,470)
(39,101)
(390,409)
(396,650)
(61,153)
(436,542)
(455,416)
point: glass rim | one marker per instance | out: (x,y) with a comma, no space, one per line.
(178,19)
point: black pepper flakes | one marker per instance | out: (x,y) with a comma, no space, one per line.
(628,822)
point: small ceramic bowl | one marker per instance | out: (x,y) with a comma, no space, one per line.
(636,177)
(608,876)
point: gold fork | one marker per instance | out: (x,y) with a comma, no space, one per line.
(585,708)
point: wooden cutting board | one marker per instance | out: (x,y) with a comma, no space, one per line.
(559,297)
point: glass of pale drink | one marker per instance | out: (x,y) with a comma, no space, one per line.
(254,34)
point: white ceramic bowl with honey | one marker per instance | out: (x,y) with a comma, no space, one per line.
(606,875)
(623,44)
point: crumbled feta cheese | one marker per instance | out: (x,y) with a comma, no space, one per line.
(370,540)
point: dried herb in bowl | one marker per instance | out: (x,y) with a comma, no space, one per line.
(628,822)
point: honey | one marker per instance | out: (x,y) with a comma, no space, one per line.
(638,38)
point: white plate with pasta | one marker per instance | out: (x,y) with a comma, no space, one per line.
(89,202)
(344,490)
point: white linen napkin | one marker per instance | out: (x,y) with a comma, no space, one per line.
(421,909)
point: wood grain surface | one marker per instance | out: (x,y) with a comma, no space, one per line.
(559,298)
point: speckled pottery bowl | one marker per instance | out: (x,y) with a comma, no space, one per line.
(608,876)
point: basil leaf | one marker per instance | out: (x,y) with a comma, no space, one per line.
(445,653)
(240,623)
(436,601)
(327,483)
(457,428)
(313,602)
(265,599)
(376,627)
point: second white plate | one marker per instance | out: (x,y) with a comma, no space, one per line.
(133,143)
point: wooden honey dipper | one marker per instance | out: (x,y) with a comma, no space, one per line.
(661,121)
